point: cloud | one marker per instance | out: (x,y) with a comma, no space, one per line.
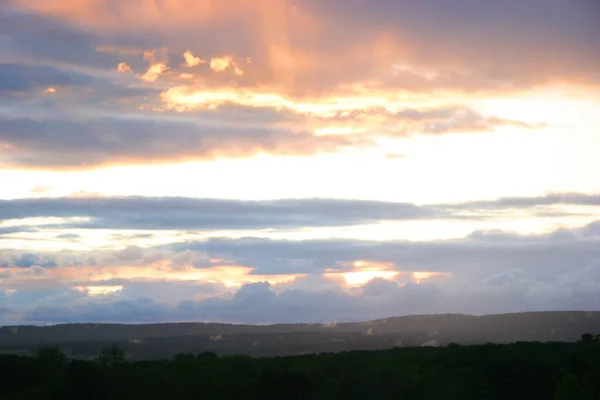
(22,86)
(395,156)
(153,73)
(94,141)
(466,120)
(180,213)
(466,46)
(123,67)
(190,60)
(20,78)
(476,255)
(107,118)
(554,198)
(440,120)
(288,79)
(38,39)
(27,260)
(483,275)
(190,213)
(220,64)
(260,303)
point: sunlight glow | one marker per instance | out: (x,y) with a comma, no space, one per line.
(99,290)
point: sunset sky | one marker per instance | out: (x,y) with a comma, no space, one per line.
(260,161)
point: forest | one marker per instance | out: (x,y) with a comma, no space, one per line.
(522,370)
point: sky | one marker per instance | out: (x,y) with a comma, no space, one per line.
(265,161)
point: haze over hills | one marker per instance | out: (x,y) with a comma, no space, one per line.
(164,340)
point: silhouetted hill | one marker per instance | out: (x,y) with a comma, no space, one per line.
(164,340)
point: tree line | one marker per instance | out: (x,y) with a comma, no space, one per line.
(524,370)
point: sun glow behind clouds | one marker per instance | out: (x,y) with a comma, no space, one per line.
(364,271)
(99,290)
(232,276)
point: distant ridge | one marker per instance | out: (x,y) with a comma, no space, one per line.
(165,339)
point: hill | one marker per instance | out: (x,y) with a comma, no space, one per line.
(164,340)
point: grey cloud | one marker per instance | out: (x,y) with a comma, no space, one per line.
(97,141)
(69,236)
(180,213)
(22,84)
(10,230)
(32,297)
(487,274)
(27,260)
(260,303)
(571,198)
(511,42)
(58,294)
(18,77)
(475,256)
(189,213)
(75,137)
(138,310)
(32,37)
(169,292)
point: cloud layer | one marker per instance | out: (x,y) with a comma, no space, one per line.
(465,114)
(105,86)
(486,272)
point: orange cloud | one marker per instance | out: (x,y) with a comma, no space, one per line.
(123,67)
(312,46)
(50,90)
(153,72)
(90,279)
(123,51)
(220,64)
(149,14)
(190,60)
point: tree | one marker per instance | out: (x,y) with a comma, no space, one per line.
(52,361)
(588,338)
(111,356)
(568,388)
(53,367)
